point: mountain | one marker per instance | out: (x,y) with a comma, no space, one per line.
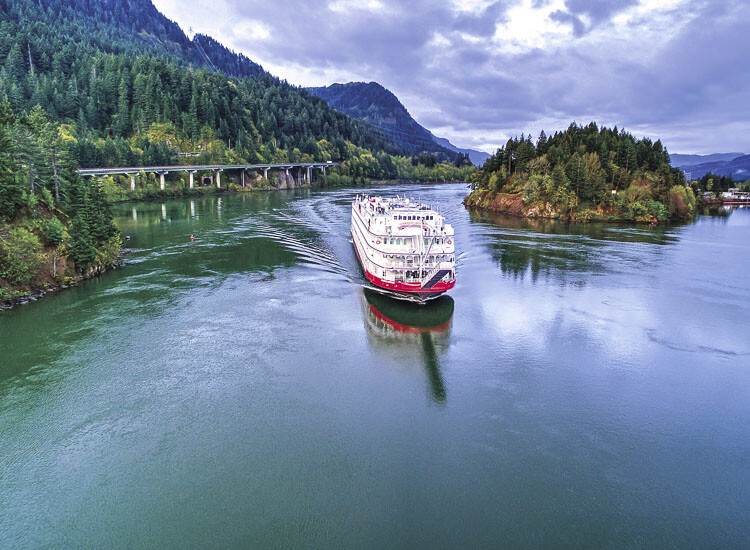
(130,26)
(133,89)
(681,161)
(738,168)
(379,107)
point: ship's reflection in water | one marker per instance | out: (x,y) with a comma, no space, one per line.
(402,327)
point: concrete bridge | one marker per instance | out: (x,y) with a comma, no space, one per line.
(216,169)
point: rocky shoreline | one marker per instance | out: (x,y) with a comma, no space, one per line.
(37,293)
(513,205)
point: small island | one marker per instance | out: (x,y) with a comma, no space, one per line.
(584,173)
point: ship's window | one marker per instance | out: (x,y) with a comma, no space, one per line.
(427,242)
(398,241)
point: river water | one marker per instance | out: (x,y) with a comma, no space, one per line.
(582,386)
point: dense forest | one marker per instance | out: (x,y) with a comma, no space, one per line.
(132,89)
(55,227)
(584,173)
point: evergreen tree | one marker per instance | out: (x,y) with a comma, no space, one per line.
(81,246)
(54,233)
(14,64)
(122,127)
(98,214)
(11,191)
(541,143)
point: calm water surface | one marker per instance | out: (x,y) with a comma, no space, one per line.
(582,386)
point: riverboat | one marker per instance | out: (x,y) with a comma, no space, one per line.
(405,248)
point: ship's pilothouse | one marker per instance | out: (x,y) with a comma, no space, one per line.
(404,246)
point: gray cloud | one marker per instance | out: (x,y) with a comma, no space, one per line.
(598,10)
(579,29)
(682,76)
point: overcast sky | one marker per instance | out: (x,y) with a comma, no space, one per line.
(477,71)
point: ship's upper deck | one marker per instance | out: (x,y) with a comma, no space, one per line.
(400,216)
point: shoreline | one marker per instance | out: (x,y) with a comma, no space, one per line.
(36,294)
(513,205)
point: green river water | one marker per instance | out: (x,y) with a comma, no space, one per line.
(582,386)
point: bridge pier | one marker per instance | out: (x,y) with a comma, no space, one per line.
(300,172)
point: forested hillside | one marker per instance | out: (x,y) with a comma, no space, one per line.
(128,81)
(372,103)
(54,226)
(584,173)
(132,89)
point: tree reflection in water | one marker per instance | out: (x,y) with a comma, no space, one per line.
(551,249)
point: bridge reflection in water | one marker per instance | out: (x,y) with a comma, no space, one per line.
(402,327)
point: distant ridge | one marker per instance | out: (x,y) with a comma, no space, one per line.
(681,161)
(738,168)
(378,106)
